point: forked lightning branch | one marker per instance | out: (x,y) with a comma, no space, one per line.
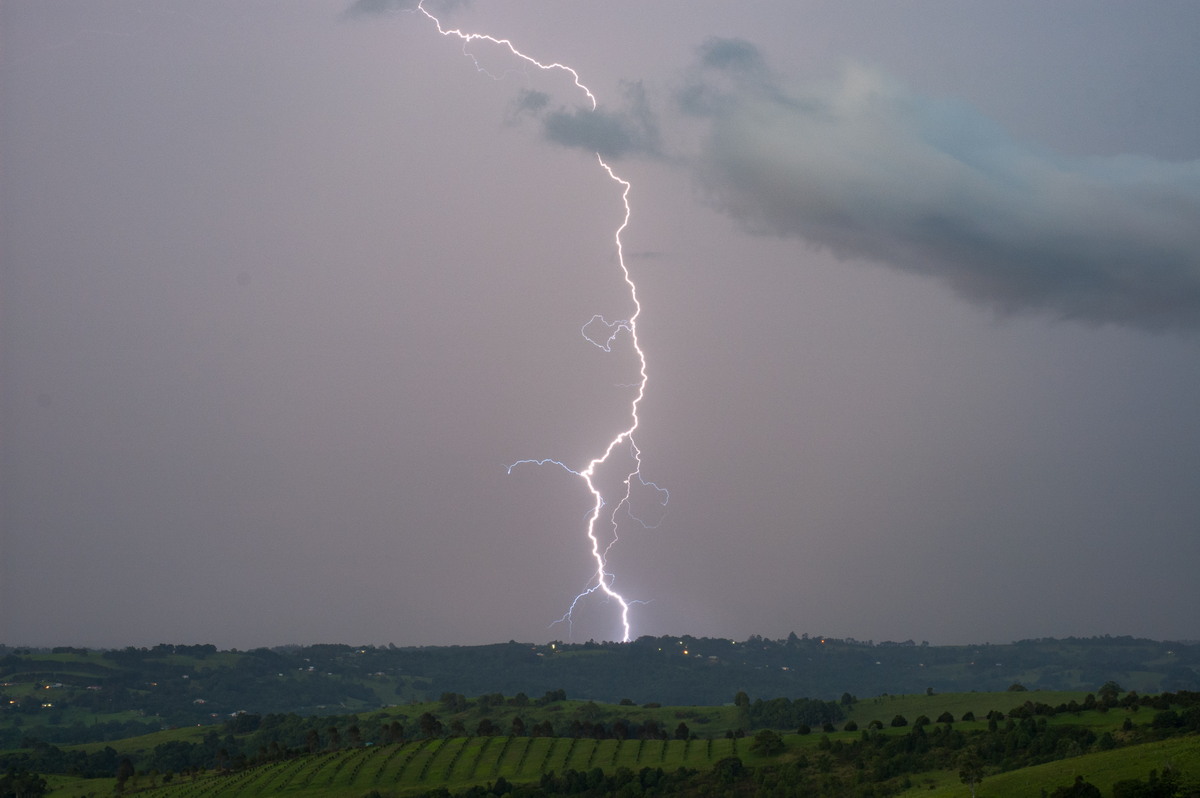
(607,510)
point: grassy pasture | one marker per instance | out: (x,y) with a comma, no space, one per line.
(458,762)
(1102,769)
(145,742)
(454,763)
(73,787)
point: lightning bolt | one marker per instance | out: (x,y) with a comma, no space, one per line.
(602,333)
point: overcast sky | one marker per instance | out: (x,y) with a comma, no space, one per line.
(287,285)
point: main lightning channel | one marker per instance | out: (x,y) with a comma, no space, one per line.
(602,579)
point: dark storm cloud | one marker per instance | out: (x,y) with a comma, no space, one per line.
(732,54)
(370,8)
(631,129)
(869,169)
(595,131)
(531,102)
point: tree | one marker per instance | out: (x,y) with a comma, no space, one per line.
(970,770)
(124,772)
(553,695)
(25,784)
(1167,786)
(429,724)
(899,720)
(682,732)
(767,742)
(728,770)
(741,699)
(453,702)
(1080,789)
(1108,694)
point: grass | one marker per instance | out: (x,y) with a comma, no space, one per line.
(1102,769)
(454,763)
(73,787)
(459,762)
(146,742)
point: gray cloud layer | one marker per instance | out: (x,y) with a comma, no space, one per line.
(611,133)
(871,170)
(370,8)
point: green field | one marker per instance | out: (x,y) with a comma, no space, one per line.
(457,763)
(1102,769)
(454,763)
(835,763)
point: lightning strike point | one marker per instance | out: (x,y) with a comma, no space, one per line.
(603,334)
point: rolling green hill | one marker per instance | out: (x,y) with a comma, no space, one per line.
(178,685)
(1029,746)
(341,720)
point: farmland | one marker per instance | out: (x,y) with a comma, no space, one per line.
(146,721)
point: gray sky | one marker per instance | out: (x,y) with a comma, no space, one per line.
(287,285)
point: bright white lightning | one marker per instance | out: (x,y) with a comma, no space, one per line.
(602,579)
